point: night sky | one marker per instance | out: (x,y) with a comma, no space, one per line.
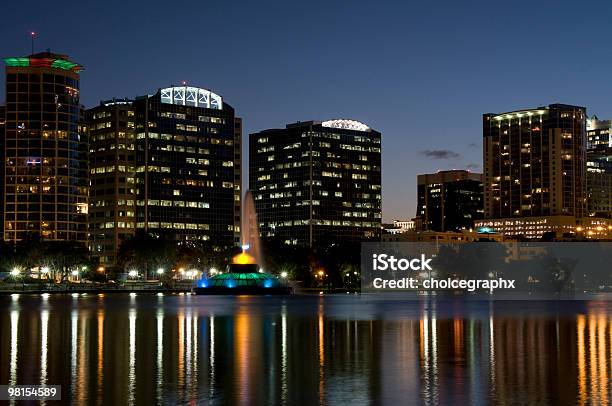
(420,73)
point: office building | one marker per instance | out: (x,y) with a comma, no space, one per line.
(599,167)
(449,200)
(168,164)
(405,225)
(112,212)
(317,182)
(599,133)
(45,167)
(535,166)
(443,237)
(536,227)
(2,125)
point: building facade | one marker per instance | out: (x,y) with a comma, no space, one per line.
(449,200)
(535,164)
(535,227)
(443,237)
(112,211)
(317,182)
(172,163)
(599,167)
(405,225)
(45,167)
(599,133)
(2,136)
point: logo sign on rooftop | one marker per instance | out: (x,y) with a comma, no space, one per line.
(191,96)
(346,125)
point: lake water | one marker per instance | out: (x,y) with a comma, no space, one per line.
(117,349)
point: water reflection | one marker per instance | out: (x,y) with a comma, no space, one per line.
(315,350)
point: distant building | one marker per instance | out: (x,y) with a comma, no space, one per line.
(317,182)
(45,166)
(449,200)
(599,133)
(398,227)
(444,237)
(168,164)
(405,225)
(536,227)
(535,167)
(599,167)
(391,229)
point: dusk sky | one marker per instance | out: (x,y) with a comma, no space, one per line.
(422,74)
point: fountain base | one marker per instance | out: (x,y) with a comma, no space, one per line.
(243,279)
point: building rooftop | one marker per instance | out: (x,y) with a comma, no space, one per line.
(45,59)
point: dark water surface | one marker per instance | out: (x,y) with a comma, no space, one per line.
(117,349)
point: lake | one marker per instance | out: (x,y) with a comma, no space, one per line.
(333,349)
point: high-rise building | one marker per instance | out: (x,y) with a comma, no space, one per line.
(449,200)
(535,166)
(2,126)
(45,167)
(168,164)
(599,133)
(112,211)
(317,182)
(599,167)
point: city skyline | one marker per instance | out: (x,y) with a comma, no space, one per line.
(412,64)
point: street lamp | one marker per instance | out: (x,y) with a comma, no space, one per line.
(15,271)
(283,274)
(160,271)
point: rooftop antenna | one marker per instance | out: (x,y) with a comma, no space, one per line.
(33,35)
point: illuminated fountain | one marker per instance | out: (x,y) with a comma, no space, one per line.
(244,275)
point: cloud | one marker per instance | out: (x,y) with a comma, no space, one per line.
(472,145)
(472,167)
(440,154)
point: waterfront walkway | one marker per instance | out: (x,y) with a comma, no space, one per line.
(150,287)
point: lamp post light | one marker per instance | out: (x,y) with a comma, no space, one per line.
(45,271)
(283,274)
(15,273)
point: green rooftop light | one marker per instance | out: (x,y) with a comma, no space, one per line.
(63,64)
(17,62)
(43,62)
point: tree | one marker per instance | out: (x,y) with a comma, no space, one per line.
(64,256)
(147,252)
